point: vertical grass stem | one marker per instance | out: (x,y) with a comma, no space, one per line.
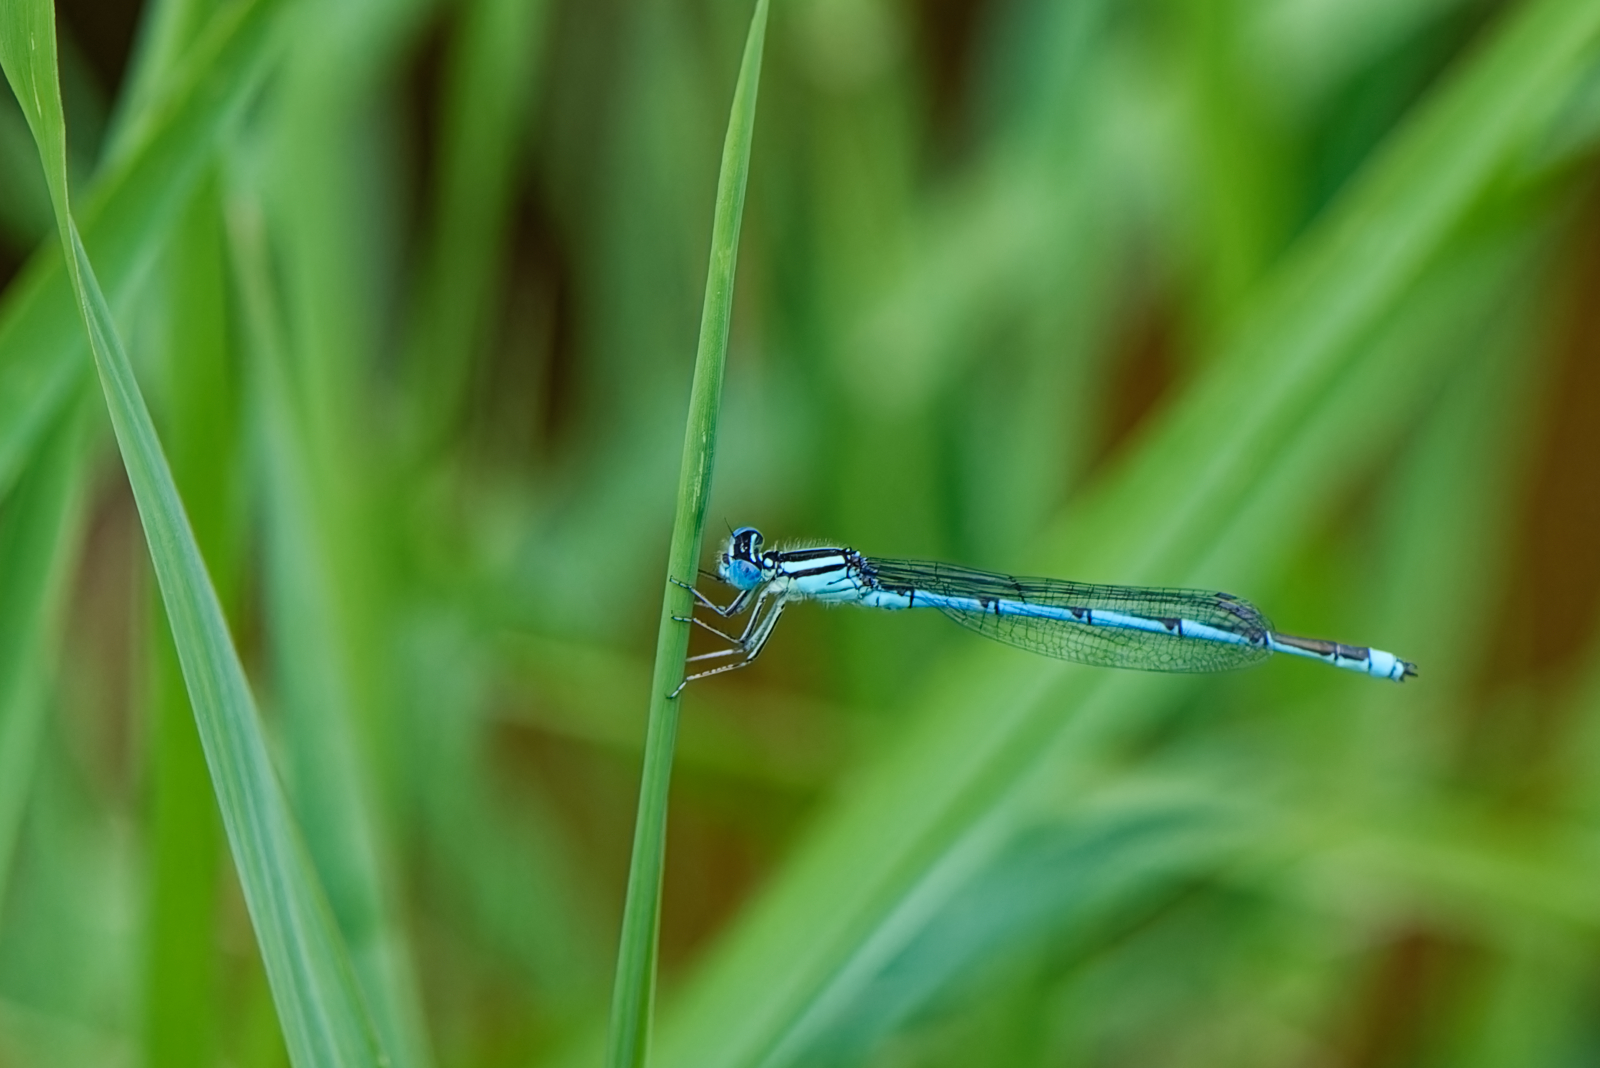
(634,994)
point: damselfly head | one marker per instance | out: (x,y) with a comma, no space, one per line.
(740,563)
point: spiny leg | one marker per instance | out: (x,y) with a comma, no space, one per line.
(742,642)
(707,626)
(746,662)
(752,650)
(749,627)
(715,655)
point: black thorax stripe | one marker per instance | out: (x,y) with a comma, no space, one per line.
(823,570)
(791,555)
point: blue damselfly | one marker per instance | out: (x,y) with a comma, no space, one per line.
(1145,628)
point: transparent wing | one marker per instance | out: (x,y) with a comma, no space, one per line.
(1103,646)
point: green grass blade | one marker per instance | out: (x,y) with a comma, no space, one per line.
(126,212)
(634,995)
(319,1004)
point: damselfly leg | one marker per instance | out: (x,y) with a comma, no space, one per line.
(703,625)
(733,608)
(751,649)
(763,617)
(741,642)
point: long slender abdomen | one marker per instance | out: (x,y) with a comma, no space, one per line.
(1361,658)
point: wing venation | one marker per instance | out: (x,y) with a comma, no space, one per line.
(1067,638)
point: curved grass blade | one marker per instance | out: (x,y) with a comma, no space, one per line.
(319,1003)
(633,999)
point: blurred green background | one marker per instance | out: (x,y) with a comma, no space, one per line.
(1295,298)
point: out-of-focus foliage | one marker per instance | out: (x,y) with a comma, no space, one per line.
(320,1001)
(1288,297)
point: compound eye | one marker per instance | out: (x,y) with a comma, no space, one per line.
(745,544)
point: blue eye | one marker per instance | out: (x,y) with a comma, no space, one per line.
(740,565)
(741,574)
